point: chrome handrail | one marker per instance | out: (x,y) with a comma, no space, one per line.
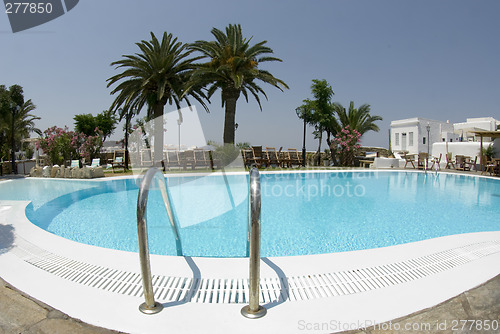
(253,310)
(150,306)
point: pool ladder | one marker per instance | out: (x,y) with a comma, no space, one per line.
(150,306)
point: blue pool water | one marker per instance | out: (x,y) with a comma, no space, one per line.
(302,213)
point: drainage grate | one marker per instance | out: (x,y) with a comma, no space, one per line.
(272,290)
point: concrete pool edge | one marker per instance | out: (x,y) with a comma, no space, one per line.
(421,293)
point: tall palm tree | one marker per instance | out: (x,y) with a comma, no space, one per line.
(319,112)
(154,77)
(233,67)
(21,126)
(358,119)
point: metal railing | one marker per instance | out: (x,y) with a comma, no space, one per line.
(150,306)
(253,310)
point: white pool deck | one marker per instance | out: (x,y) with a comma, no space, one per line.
(348,290)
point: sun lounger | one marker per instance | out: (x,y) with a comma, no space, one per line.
(146,158)
(118,160)
(95,163)
(171,159)
(294,157)
(257,157)
(271,157)
(202,159)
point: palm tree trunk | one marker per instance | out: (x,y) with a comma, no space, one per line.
(318,154)
(230,97)
(158,134)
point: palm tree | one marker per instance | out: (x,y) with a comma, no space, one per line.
(154,77)
(358,119)
(319,112)
(24,122)
(21,126)
(233,67)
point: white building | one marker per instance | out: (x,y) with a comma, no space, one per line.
(417,134)
(465,129)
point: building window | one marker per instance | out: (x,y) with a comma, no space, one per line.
(397,139)
(444,139)
(451,139)
(423,140)
(410,140)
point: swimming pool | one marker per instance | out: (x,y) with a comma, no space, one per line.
(302,213)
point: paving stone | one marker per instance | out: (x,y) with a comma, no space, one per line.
(17,311)
(485,301)
(65,326)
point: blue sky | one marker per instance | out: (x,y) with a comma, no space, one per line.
(433,59)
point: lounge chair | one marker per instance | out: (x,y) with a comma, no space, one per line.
(294,158)
(95,163)
(247,157)
(75,164)
(409,159)
(202,159)
(118,160)
(257,157)
(171,159)
(146,158)
(272,157)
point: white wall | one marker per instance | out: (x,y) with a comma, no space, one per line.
(405,129)
(470,149)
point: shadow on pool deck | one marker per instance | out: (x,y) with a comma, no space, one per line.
(19,313)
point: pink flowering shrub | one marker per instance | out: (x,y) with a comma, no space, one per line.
(91,145)
(344,145)
(62,145)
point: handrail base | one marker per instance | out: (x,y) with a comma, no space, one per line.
(150,310)
(247,313)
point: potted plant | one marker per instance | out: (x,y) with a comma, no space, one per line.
(489,152)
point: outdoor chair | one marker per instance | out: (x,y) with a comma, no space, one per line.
(186,159)
(272,157)
(436,161)
(409,159)
(247,157)
(257,158)
(492,167)
(449,161)
(171,159)
(146,158)
(423,162)
(460,162)
(95,163)
(468,164)
(202,159)
(294,158)
(118,160)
